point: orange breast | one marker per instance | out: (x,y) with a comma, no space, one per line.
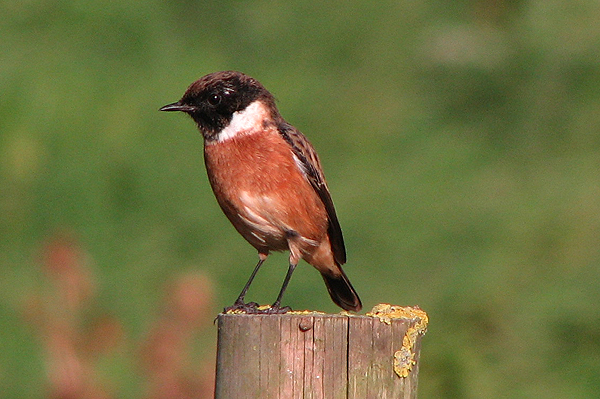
(263,192)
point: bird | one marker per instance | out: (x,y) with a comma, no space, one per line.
(268,181)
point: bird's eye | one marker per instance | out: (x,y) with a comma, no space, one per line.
(214,100)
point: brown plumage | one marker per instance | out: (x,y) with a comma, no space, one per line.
(268,180)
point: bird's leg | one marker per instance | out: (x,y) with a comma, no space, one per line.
(239,302)
(240,298)
(292,238)
(276,306)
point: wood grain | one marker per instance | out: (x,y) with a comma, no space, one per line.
(316,356)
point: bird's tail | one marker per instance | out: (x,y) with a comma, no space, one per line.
(341,291)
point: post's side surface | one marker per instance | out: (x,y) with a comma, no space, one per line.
(281,356)
(317,356)
(382,363)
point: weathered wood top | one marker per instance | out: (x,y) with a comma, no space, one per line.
(315,355)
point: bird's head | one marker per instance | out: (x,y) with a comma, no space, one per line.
(213,100)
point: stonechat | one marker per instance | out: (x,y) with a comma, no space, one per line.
(268,180)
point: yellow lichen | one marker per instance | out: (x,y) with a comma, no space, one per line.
(235,311)
(263,308)
(404,358)
(304,312)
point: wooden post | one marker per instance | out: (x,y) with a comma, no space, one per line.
(320,356)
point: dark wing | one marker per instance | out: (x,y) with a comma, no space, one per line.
(311,166)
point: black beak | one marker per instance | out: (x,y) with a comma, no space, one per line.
(178,106)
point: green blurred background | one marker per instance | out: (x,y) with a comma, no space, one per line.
(460,139)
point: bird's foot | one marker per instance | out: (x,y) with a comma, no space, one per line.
(255,308)
(241,307)
(276,310)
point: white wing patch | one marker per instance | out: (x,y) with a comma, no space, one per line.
(300,165)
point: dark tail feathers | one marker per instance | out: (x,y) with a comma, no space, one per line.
(342,292)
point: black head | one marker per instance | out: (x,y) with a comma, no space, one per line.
(213,99)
